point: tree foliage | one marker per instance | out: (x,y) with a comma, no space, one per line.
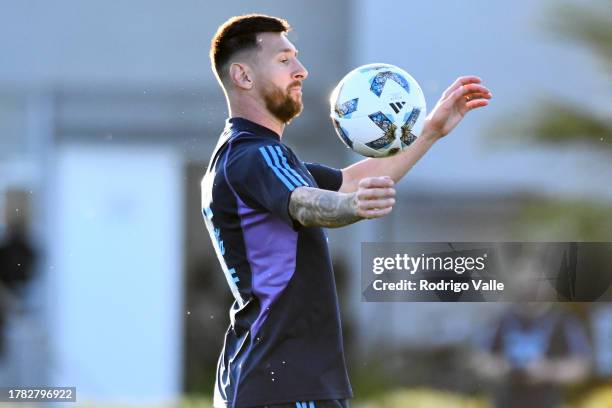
(558,122)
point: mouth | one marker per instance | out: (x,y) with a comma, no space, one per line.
(296,87)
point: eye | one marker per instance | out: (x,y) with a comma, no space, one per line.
(284,61)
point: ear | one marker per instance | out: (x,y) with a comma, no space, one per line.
(241,75)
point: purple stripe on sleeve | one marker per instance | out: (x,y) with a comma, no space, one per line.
(271,247)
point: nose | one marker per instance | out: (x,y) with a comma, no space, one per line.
(301,73)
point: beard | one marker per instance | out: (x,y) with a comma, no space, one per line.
(281,104)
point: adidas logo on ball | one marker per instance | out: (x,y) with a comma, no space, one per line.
(397,106)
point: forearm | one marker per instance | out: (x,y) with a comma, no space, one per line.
(313,207)
(395,166)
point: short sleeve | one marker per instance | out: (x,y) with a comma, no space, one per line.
(262,177)
(327,178)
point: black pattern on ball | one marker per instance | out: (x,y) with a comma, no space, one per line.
(343,134)
(380,79)
(407,136)
(347,108)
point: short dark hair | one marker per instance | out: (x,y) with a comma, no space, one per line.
(239,33)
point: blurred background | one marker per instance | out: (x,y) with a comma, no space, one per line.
(108,115)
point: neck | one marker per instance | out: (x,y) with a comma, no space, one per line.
(256,113)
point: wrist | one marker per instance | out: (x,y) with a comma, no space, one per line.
(429,133)
(352,199)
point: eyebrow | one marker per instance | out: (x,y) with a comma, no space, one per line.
(287,50)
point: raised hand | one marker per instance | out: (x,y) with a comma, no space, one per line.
(465,94)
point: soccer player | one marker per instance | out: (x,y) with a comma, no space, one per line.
(265,209)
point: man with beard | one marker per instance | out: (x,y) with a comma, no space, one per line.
(265,209)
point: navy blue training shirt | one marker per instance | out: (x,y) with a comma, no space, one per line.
(284,342)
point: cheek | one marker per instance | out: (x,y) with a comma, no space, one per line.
(278,85)
(280,75)
(274,76)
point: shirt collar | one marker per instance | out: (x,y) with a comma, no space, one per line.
(237,123)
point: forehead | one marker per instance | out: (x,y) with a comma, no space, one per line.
(273,43)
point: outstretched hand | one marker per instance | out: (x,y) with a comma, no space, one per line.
(465,94)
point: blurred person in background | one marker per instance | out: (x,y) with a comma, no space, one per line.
(17,258)
(531,353)
(265,210)
(601,324)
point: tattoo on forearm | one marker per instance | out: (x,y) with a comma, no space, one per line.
(314,207)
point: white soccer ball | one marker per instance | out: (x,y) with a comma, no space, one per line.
(378,110)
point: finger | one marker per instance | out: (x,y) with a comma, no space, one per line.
(375,193)
(463,80)
(477,103)
(483,93)
(376,213)
(476,88)
(374,204)
(373,182)
(476,95)
(465,90)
